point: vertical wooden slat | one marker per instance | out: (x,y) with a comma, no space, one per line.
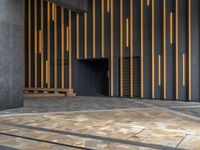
(171,28)
(142,46)
(77,36)
(121,48)
(131,48)
(55,46)
(108,6)
(153,49)
(159,70)
(164,49)
(48,44)
(111,49)
(67,38)
(62,49)
(53,11)
(29,43)
(42,44)
(70,51)
(189,52)
(177,47)
(127,32)
(94,28)
(36,39)
(148,2)
(102,28)
(183,63)
(85,35)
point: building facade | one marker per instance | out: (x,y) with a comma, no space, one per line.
(119,48)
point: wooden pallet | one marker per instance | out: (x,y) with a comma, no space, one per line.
(49,92)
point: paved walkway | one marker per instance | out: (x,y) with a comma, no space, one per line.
(100,123)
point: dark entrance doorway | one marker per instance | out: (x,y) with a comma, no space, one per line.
(93,78)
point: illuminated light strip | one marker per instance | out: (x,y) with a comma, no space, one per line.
(94,28)
(159,70)
(42,44)
(48,44)
(131,48)
(85,35)
(77,36)
(153,49)
(102,28)
(183,59)
(164,49)
(36,43)
(121,48)
(142,47)
(70,50)
(63,49)
(177,47)
(111,48)
(108,6)
(29,44)
(127,32)
(171,28)
(53,12)
(67,38)
(55,46)
(189,51)
(148,2)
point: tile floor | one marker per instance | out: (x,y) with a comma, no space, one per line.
(100,123)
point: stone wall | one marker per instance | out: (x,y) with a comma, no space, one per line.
(11,53)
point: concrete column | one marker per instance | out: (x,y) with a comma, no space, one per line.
(11,53)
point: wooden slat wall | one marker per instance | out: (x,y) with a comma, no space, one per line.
(88,38)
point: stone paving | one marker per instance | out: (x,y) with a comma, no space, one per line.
(91,123)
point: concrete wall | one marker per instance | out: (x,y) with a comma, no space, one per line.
(11,53)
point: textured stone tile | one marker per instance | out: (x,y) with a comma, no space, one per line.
(190,142)
(158,137)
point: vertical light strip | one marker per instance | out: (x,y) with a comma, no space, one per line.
(189,51)
(29,43)
(77,36)
(55,46)
(153,49)
(171,28)
(70,50)
(183,59)
(42,44)
(127,32)
(102,28)
(40,41)
(36,43)
(53,11)
(142,46)
(177,47)
(85,35)
(63,49)
(148,2)
(131,48)
(164,49)
(94,28)
(67,38)
(121,48)
(108,6)
(111,48)
(48,44)
(159,70)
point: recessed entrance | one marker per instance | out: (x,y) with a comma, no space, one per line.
(93,78)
